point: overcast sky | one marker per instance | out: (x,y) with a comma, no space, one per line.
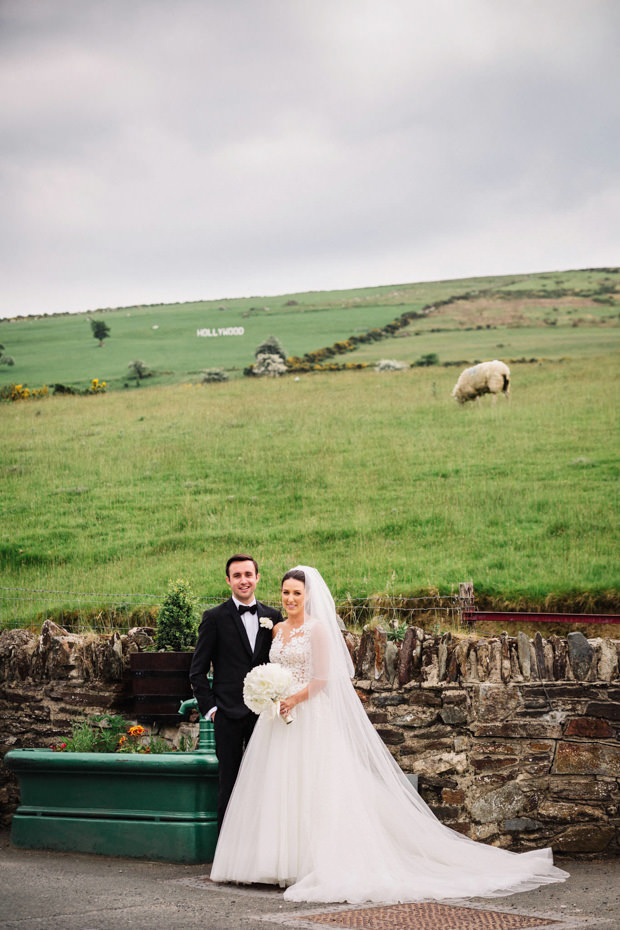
(153,150)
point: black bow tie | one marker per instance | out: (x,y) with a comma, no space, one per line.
(244,609)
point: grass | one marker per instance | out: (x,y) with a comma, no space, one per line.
(545,315)
(381,481)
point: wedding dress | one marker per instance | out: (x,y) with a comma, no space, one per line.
(321,807)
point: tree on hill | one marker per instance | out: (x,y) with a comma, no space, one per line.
(138,370)
(5,359)
(100,330)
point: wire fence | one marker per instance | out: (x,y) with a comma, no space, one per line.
(99,612)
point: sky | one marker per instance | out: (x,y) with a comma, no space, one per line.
(175,150)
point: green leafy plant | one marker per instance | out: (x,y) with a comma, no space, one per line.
(112,733)
(397,632)
(177,623)
(98,733)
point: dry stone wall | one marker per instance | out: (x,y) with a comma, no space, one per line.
(515,741)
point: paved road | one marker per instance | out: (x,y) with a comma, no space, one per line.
(64,891)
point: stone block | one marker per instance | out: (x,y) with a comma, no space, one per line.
(518,729)
(502,804)
(571,813)
(434,763)
(454,696)
(521,825)
(425,698)
(580,655)
(391,736)
(406,656)
(493,702)
(454,715)
(589,727)
(582,788)
(418,717)
(586,838)
(587,759)
(610,710)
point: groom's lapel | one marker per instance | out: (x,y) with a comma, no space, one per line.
(234,613)
(262,631)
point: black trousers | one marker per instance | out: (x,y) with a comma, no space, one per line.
(231,738)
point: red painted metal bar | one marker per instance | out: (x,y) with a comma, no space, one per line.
(478,616)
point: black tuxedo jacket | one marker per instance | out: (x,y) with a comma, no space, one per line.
(224,644)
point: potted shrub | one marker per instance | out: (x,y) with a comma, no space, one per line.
(114,789)
(160,680)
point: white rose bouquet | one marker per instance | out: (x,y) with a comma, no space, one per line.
(265,686)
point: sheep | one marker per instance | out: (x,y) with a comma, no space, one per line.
(485,378)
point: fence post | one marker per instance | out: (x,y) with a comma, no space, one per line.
(466,598)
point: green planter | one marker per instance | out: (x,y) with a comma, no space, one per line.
(135,805)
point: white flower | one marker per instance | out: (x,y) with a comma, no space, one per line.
(265,686)
(266,623)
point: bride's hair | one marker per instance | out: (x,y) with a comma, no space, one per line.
(295,573)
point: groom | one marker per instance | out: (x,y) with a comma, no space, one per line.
(233,638)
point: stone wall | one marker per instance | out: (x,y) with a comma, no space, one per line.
(515,741)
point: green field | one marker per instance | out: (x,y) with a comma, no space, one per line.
(574,314)
(380,480)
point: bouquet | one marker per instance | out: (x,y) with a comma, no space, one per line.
(265,686)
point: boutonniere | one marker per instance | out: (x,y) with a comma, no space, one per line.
(266,623)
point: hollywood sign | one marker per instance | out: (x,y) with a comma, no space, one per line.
(222,331)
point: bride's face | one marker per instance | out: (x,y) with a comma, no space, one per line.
(293,596)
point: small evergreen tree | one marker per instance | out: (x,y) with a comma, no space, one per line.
(100,330)
(177,624)
(271,346)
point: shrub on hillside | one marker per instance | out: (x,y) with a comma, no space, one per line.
(211,375)
(426,361)
(390,364)
(271,365)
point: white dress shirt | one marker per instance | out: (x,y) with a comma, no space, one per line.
(250,621)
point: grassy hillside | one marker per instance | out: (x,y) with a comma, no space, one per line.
(380,480)
(574,314)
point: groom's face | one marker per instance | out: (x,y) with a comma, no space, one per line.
(242,579)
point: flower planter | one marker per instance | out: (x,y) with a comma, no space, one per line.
(140,806)
(160,681)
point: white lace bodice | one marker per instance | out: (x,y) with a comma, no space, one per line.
(294,654)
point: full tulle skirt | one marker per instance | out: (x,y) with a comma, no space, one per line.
(322,809)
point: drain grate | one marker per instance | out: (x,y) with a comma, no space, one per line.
(429,916)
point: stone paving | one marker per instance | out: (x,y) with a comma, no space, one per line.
(63,891)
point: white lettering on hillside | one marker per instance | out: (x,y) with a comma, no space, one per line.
(222,331)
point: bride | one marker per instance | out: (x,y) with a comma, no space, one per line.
(321,807)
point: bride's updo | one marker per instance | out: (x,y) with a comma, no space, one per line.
(296,574)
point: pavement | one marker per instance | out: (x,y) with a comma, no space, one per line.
(41,890)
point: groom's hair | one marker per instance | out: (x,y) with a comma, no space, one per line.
(240,558)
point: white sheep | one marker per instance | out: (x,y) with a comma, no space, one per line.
(485,378)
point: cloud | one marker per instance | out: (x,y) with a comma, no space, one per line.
(156,151)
